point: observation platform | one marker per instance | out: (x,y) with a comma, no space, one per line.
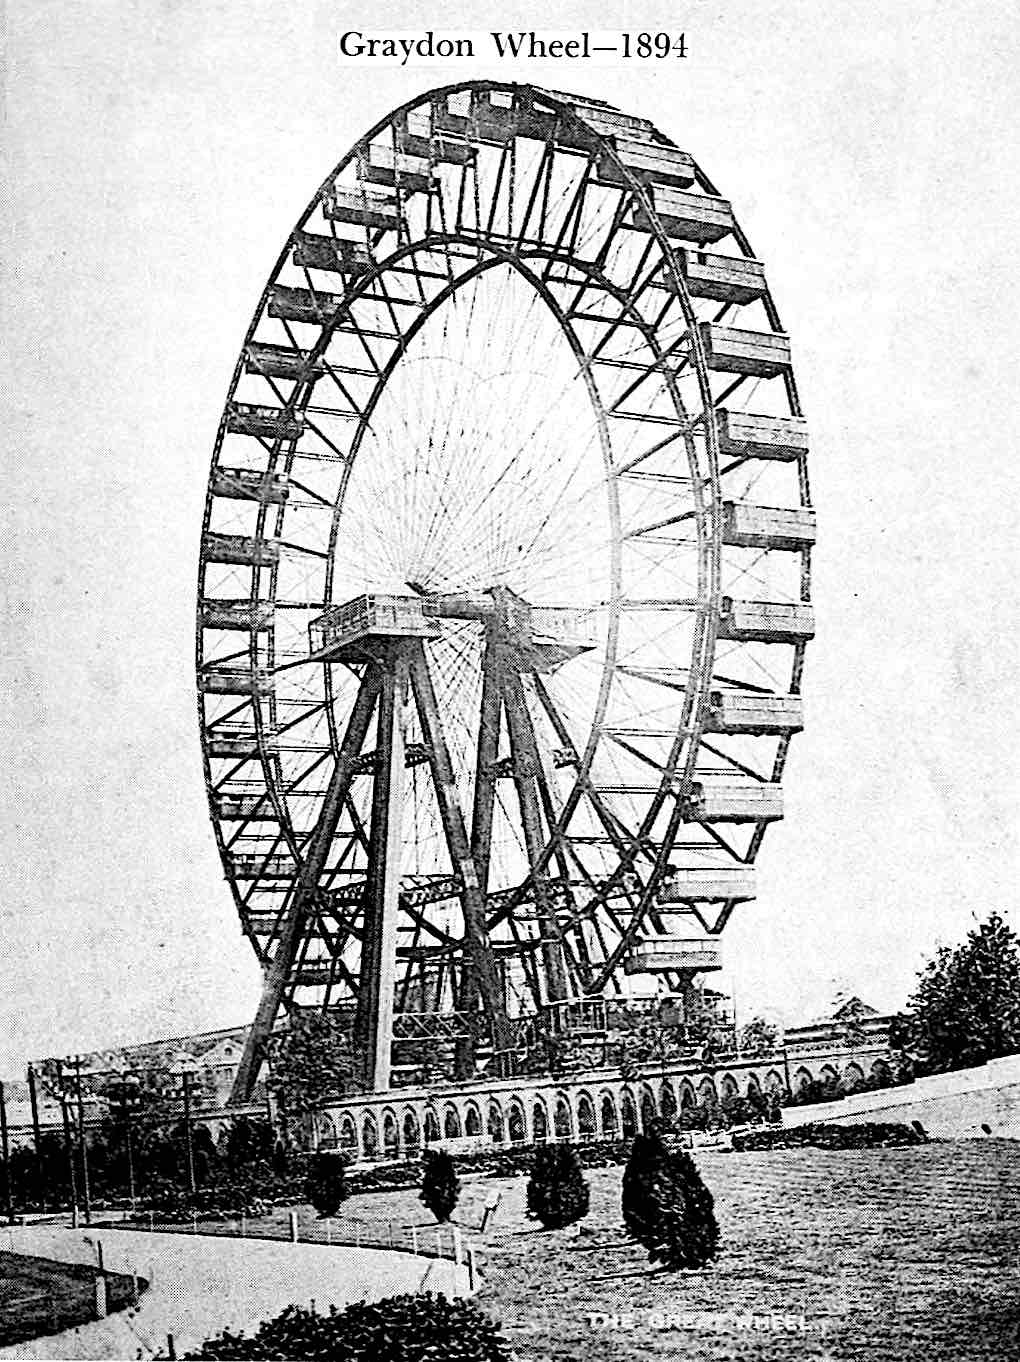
(660,955)
(539,638)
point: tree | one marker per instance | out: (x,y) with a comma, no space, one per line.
(248,1141)
(966,1007)
(413,1328)
(311,1063)
(558,1194)
(667,1207)
(758,1036)
(326,1185)
(440,1185)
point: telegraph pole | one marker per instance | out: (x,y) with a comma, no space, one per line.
(84,1144)
(186,1077)
(126,1102)
(36,1133)
(68,1145)
(8,1197)
(128,1142)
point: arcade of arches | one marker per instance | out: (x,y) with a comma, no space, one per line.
(598,1106)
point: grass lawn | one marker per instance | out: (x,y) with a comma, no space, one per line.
(39,1297)
(889,1255)
(895,1254)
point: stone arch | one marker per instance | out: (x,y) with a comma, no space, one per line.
(707,1095)
(539,1121)
(369,1136)
(390,1133)
(472,1120)
(802,1080)
(563,1118)
(610,1121)
(880,1074)
(649,1111)
(753,1087)
(348,1134)
(667,1100)
(585,1116)
(451,1122)
(687,1097)
(853,1077)
(495,1122)
(829,1079)
(326,1131)
(411,1132)
(516,1124)
(774,1082)
(728,1089)
(628,1116)
(431,1126)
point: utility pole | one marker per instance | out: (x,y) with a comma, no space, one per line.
(8,1197)
(83,1143)
(36,1132)
(186,1078)
(68,1145)
(126,1104)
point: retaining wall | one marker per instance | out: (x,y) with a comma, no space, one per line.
(949,1106)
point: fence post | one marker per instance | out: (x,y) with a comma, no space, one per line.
(242,1225)
(414,1240)
(329,1231)
(471,1267)
(171,1351)
(391,1233)
(458,1246)
(101,1298)
(293,1227)
(357,1234)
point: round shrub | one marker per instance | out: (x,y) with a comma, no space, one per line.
(667,1207)
(326,1186)
(558,1194)
(440,1184)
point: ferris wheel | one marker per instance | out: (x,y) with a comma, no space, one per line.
(505,576)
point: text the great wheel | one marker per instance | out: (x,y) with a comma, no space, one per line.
(505,577)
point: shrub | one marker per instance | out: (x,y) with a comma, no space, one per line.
(558,1194)
(440,1185)
(667,1207)
(396,1329)
(326,1186)
(823,1135)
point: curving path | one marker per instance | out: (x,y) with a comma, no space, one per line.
(199,1285)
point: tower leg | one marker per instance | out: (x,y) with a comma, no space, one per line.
(374,1021)
(526,770)
(479,974)
(277,971)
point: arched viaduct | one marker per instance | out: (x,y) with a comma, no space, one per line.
(597,1105)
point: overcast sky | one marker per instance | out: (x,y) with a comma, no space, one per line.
(158,156)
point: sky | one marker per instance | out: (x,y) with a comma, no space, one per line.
(158,154)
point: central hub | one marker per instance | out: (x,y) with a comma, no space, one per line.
(540,638)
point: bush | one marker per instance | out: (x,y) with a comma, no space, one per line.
(667,1207)
(440,1184)
(326,1186)
(822,1135)
(558,1194)
(397,1329)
